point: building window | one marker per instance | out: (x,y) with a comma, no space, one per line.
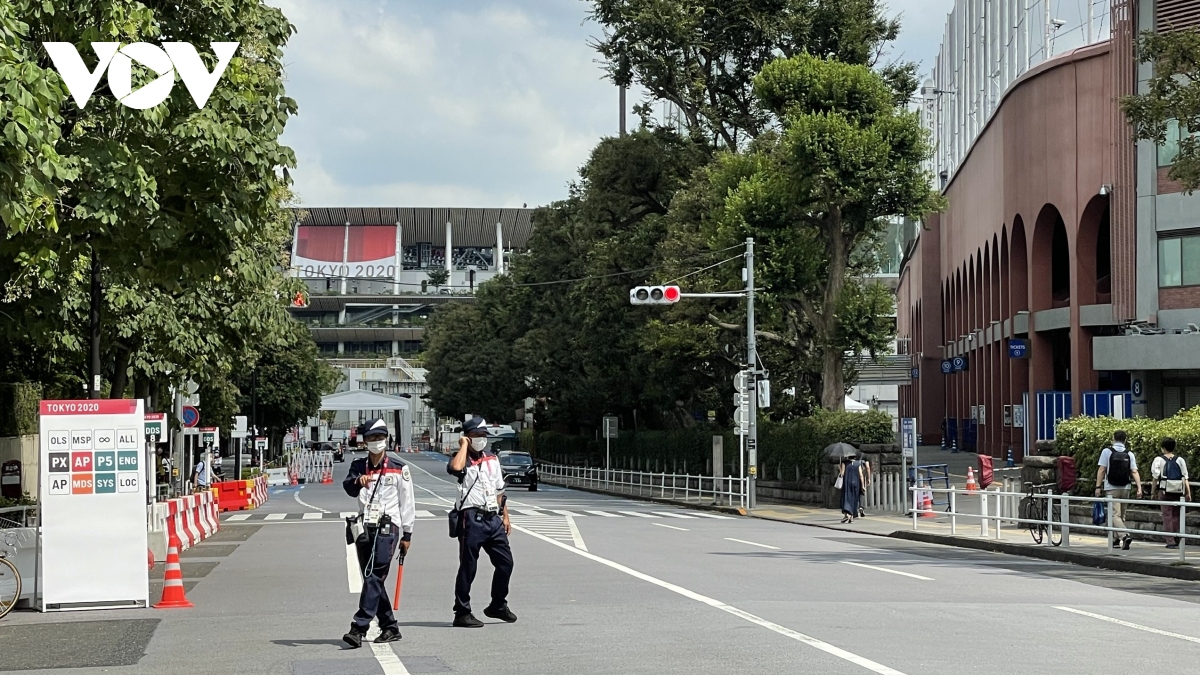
(1169,150)
(1179,261)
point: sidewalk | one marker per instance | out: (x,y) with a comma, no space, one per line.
(1144,557)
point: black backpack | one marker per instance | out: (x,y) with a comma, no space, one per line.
(1118,468)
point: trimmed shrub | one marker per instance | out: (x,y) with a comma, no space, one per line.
(1085,437)
(19,408)
(782,448)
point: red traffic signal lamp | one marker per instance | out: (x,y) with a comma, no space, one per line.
(299,300)
(654,295)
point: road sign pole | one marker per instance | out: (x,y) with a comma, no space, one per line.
(752,388)
(607,458)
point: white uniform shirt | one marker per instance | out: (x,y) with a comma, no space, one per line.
(393,490)
(1160,462)
(202,476)
(480,483)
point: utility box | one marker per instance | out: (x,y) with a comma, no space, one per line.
(10,479)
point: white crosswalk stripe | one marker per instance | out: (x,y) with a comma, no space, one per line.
(550,517)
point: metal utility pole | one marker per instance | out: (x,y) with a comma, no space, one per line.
(752,375)
(94,329)
(622,122)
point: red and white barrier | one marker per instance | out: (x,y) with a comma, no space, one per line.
(192,519)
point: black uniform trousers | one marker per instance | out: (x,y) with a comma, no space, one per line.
(479,529)
(373,601)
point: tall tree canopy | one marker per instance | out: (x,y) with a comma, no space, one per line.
(182,207)
(702,55)
(1171,104)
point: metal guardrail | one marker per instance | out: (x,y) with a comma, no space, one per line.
(992,513)
(12,517)
(728,490)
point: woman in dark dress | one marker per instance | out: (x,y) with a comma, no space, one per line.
(852,488)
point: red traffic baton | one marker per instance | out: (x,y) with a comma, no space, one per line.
(399,578)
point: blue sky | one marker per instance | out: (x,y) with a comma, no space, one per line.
(478,103)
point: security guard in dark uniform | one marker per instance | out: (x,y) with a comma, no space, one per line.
(482,523)
(387,511)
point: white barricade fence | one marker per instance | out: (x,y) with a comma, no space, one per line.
(1056,515)
(728,491)
(311,466)
(885,493)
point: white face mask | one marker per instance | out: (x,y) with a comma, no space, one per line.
(376,447)
(478,444)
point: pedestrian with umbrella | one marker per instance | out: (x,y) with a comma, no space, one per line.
(850,478)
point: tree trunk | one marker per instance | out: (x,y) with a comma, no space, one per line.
(120,374)
(833,389)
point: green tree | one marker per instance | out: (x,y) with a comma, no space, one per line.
(1172,98)
(182,207)
(848,157)
(286,385)
(702,55)
(438,277)
(470,370)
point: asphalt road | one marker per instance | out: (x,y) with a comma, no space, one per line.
(606,585)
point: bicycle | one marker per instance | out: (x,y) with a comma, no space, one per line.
(1034,509)
(10,577)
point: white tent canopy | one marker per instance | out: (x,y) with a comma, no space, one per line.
(855,406)
(362,399)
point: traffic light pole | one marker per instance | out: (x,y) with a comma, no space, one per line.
(752,379)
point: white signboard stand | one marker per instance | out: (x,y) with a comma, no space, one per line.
(93,505)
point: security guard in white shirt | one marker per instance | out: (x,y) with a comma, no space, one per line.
(482,523)
(384,490)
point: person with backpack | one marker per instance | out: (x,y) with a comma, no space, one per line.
(1116,475)
(1171,485)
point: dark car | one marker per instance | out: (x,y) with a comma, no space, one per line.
(339,452)
(519,469)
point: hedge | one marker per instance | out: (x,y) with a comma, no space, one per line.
(788,450)
(1085,437)
(19,408)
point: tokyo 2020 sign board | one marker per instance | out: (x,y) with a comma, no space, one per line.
(93,505)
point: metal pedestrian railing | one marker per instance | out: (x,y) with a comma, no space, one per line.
(997,507)
(725,491)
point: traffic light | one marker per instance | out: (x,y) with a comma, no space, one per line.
(654,295)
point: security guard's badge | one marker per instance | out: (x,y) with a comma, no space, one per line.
(372,513)
(489,496)
(404,472)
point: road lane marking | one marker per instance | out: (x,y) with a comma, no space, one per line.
(312,516)
(527,512)
(681,529)
(348,514)
(568,514)
(638,515)
(296,496)
(884,569)
(578,538)
(697,514)
(670,514)
(606,514)
(240,516)
(275,516)
(1128,624)
(750,543)
(840,653)
(384,654)
(353,571)
(422,513)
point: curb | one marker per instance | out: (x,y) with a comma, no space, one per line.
(832,528)
(731,510)
(1183,572)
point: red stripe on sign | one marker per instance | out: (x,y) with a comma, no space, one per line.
(104,406)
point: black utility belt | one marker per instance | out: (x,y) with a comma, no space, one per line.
(483,512)
(380,529)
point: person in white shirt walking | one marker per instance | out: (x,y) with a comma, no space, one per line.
(1116,475)
(1170,475)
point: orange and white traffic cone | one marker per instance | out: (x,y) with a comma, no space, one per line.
(972,486)
(927,505)
(173,596)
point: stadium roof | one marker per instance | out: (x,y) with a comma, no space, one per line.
(470,227)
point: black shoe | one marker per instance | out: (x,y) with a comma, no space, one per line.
(467,621)
(1126,542)
(502,613)
(388,635)
(1172,545)
(354,638)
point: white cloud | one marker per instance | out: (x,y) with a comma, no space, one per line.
(491,104)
